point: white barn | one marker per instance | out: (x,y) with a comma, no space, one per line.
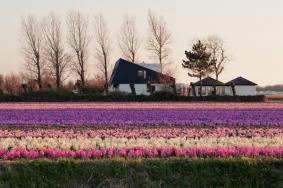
(243,87)
(127,76)
(208,87)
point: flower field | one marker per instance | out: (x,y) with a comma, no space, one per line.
(140,130)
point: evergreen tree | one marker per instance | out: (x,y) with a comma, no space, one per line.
(199,62)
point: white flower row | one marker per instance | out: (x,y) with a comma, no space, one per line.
(82,143)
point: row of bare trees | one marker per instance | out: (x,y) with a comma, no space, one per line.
(61,48)
(47,46)
(44,47)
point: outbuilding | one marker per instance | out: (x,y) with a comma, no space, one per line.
(242,86)
(210,86)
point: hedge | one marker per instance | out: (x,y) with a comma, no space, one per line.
(119,97)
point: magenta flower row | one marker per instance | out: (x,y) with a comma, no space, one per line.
(142,152)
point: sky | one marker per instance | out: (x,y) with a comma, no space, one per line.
(251,29)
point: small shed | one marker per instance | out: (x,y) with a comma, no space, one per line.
(210,86)
(243,87)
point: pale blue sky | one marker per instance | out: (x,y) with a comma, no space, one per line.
(252,30)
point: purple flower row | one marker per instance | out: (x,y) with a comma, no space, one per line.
(143,117)
(142,152)
(143,133)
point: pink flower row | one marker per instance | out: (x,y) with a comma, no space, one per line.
(143,132)
(142,152)
(167,105)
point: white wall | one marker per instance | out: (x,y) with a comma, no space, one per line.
(141,89)
(241,90)
(245,90)
(206,90)
(228,90)
(162,87)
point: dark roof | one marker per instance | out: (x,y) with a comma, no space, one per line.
(241,81)
(208,81)
(126,72)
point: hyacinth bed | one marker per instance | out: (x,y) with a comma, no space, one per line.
(140,130)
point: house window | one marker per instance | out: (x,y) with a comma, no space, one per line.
(210,91)
(203,90)
(150,88)
(220,91)
(142,73)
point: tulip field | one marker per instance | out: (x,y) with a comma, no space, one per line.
(141,131)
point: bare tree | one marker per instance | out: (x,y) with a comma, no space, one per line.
(159,39)
(128,39)
(215,46)
(12,84)
(79,40)
(102,54)
(32,48)
(54,49)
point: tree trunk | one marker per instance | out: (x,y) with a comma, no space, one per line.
(217,75)
(82,71)
(133,57)
(83,80)
(58,84)
(200,88)
(106,74)
(132,86)
(160,59)
(233,88)
(193,89)
(39,82)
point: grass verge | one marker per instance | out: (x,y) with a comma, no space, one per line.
(171,172)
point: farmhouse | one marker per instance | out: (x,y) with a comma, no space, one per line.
(139,79)
(238,86)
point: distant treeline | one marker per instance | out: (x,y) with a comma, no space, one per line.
(278,88)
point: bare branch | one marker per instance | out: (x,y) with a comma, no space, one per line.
(54,49)
(216,48)
(129,41)
(102,53)
(32,48)
(78,40)
(159,39)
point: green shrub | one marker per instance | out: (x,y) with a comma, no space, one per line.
(65,96)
